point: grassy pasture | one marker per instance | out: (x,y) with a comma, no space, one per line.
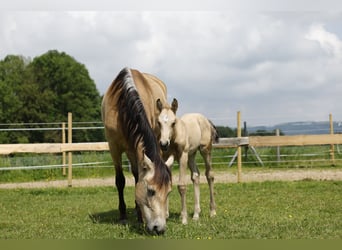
(267,210)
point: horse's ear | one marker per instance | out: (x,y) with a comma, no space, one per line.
(174,105)
(148,172)
(149,165)
(148,162)
(170,161)
(159,105)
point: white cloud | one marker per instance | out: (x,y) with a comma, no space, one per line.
(328,41)
(214,62)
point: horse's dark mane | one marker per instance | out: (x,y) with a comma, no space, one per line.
(135,125)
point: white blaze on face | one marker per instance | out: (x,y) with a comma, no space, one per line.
(166,121)
(151,200)
(156,218)
(153,208)
(165,118)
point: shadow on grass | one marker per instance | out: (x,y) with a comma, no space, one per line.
(108,217)
(112,217)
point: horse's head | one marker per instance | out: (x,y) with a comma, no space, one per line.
(151,194)
(166,121)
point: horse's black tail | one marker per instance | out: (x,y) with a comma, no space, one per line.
(214,133)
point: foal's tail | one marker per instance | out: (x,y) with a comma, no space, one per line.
(214,133)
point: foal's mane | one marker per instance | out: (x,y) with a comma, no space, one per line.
(135,125)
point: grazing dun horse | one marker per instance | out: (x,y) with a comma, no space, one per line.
(183,138)
(129,114)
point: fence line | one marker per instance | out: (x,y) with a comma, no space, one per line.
(54,166)
(237,142)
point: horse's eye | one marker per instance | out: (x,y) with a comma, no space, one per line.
(151,192)
(173,124)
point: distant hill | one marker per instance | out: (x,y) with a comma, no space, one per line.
(300,128)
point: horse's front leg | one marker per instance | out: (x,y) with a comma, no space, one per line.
(135,173)
(182,186)
(120,185)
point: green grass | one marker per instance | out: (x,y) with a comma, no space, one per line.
(268,210)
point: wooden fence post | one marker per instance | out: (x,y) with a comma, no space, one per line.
(239,147)
(332,147)
(63,153)
(278,147)
(245,134)
(70,153)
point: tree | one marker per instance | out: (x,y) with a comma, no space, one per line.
(68,85)
(12,76)
(12,70)
(45,90)
(225,131)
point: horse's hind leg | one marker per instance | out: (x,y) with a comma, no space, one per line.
(206,154)
(195,177)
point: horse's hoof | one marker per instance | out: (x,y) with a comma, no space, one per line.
(123,221)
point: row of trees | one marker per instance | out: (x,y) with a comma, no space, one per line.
(44,90)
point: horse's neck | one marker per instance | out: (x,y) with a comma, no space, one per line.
(180,133)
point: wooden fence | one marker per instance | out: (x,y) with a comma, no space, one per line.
(237,142)
(256,141)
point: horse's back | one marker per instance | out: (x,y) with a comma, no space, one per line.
(149,88)
(109,113)
(198,128)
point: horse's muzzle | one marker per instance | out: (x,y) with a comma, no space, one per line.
(156,230)
(164,146)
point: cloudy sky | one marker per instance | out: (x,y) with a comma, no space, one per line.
(273,66)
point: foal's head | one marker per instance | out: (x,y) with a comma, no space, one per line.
(151,194)
(166,122)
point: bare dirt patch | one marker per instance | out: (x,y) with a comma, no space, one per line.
(220,177)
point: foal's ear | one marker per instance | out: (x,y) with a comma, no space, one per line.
(174,105)
(159,105)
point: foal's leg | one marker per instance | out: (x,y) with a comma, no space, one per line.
(195,177)
(206,154)
(182,186)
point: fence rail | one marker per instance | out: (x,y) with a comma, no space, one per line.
(52,147)
(255,141)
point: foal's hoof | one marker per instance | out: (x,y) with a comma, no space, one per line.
(212,213)
(195,217)
(184,221)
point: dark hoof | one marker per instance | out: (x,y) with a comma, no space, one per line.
(123,221)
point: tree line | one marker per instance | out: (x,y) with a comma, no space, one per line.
(44,90)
